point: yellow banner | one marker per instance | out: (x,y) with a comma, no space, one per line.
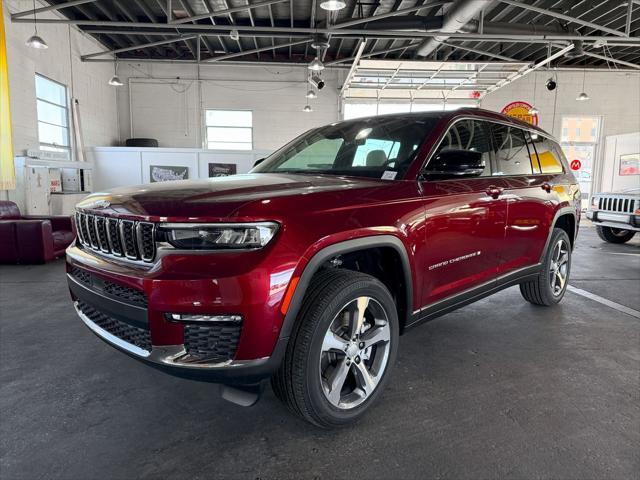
(7,169)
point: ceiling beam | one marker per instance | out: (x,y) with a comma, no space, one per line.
(58,6)
(139,47)
(562,16)
(627,29)
(480,52)
(537,38)
(256,50)
(225,12)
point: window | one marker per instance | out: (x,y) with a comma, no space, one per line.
(363,148)
(549,155)
(512,155)
(354,109)
(468,135)
(53,115)
(229,129)
(579,142)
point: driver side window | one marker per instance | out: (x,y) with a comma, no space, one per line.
(468,135)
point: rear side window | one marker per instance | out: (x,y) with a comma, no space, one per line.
(469,135)
(512,154)
(549,154)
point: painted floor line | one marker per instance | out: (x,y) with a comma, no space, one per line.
(604,301)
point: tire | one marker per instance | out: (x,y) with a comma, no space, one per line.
(549,288)
(310,368)
(614,235)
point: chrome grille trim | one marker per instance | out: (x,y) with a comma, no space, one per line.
(133,240)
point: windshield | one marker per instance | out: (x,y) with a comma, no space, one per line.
(374,147)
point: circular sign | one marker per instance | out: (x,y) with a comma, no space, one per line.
(576,164)
(520,110)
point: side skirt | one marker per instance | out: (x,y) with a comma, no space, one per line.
(446,305)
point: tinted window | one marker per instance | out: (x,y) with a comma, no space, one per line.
(367,148)
(549,154)
(468,135)
(512,155)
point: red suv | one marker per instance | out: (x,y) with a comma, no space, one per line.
(307,269)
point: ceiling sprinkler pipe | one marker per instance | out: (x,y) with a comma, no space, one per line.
(456,18)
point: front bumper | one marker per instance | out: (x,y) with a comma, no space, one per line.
(624,221)
(134,321)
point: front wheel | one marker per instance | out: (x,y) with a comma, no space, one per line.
(551,284)
(614,235)
(341,351)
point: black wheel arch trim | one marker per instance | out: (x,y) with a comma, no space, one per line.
(561,212)
(340,248)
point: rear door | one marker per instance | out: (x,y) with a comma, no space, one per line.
(529,195)
(464,220)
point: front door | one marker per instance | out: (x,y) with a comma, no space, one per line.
(465,220)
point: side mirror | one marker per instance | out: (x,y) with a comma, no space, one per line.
(259,161)
(455,163)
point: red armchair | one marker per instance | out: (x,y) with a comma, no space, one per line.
(32,239)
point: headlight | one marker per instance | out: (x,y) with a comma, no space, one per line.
(594,202)
(212,236)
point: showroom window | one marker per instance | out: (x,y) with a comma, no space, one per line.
(579,141)
(53,115)
(229,129)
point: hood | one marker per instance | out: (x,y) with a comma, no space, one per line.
(215,197)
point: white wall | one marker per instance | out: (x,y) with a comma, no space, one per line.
(87,83)
(615,96)
(168,109)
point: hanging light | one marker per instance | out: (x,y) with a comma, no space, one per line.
(307,108)
(311,94)
(583,95)
(115,80)
(36,41)
(316,65)
(534,111)
(234,35)
(333,5)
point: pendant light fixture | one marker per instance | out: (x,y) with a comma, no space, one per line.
(333,5)
(115,80)
(311,94)
(316,65)
(307,109)
(583,95)
(36,41)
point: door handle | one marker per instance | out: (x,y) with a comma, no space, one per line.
(546,187)
(494,192)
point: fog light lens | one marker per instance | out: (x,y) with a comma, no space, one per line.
(197,318)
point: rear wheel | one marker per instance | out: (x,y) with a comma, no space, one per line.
(551,284)
(614,235)
(341,351)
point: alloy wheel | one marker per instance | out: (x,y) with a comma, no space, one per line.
(355,352)
(559,268)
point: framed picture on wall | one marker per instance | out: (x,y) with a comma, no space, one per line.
(630,164)
(222,169)
(165,173)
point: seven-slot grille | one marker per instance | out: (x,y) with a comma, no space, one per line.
(122,238)
(617,204)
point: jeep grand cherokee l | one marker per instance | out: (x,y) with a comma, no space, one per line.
(306,270)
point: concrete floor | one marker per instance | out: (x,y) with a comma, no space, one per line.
(499,389)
